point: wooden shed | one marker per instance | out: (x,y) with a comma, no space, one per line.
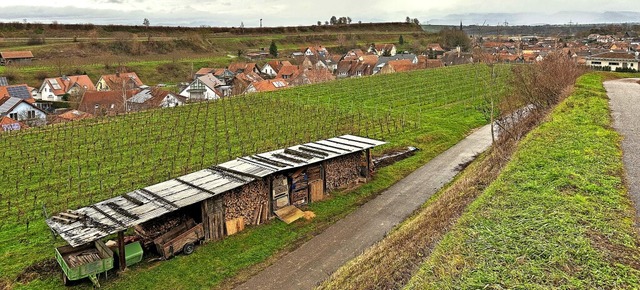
(8,57)
(226,197)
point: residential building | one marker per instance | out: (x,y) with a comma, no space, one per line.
(119,81)
(614,61)
(105,103)
(57,89)
(20,110)
(151,98)
(203,88)
(267,86)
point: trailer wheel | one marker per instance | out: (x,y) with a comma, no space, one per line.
(188,248)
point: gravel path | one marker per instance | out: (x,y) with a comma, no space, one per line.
(624,98)
(313,262)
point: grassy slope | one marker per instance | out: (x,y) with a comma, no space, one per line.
(429,109)
(558,216)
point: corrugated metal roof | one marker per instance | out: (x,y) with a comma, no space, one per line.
(3,81)
(119,213)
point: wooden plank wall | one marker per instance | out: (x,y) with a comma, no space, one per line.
(213,219)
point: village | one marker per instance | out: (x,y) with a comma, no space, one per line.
(22,106)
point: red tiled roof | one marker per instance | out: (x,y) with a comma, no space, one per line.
(291,71)
(117,79)
(402,65)
(109,102)
(74,115)
(16,54)
(205,70)
(66,83)
(6,122)
(268,85)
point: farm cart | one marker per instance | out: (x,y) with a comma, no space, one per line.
(85,261)
(181,238)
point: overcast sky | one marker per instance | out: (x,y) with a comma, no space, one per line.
(307,12)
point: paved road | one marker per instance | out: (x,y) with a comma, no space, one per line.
(313,262)
(624,98)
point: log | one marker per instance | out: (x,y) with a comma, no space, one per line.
(342,171)
(246,201)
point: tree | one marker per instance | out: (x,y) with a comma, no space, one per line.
(273,49)
(146,22)
(401,40)
(326,23)
(408,19)
(349,20)
(319,22)
(416,21)
(333,20)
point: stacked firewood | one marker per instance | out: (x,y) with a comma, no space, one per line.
(248,202)
(152,229)
(314,173)
(299,187)
(342,171)
(83,257)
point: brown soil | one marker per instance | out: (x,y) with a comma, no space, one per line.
(41,270)
(616,253)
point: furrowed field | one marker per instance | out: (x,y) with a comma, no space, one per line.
(72,165)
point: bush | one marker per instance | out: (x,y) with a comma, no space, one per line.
(628,69)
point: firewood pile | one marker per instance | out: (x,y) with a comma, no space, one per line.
(152,229)
(299,187)
(342,171)
(83,257)
(248,202)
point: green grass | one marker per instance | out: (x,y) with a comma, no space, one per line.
(81,163)
(557,217)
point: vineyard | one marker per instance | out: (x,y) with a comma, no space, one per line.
(65,166)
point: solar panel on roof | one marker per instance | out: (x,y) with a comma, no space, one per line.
(20,92)
(55,84)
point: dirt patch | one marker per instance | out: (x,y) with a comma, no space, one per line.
(41,270)
(614,253)
(4,285)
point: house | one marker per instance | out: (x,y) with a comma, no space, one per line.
(614,61)
(288,72)
(434,50)
(354,54)
(456,57)
(7,124)
(58,89)
(9,57)
(312,76)
(386,49)
(72,115)
(267,86)
(151,98)
(17,91)
(318,51)
(205,71)
(272,68)
(106,103)
(383,60)
(394,66)
(240,67)
(203,88)
(119,81)
(242,81)
(20,110)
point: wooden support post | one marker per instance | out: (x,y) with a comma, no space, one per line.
(368,163)
(122,254)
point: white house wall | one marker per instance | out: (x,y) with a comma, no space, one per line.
(209,94)
(616,64)
(22,109)
(46,93)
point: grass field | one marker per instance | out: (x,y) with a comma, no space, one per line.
(80,163)
(557,217)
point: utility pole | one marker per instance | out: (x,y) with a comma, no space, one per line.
(260,22)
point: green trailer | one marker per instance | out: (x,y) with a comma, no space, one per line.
(86,261)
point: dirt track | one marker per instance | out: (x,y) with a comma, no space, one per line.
(314,261)
(625,109)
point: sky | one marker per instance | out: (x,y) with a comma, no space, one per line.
(308,12)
